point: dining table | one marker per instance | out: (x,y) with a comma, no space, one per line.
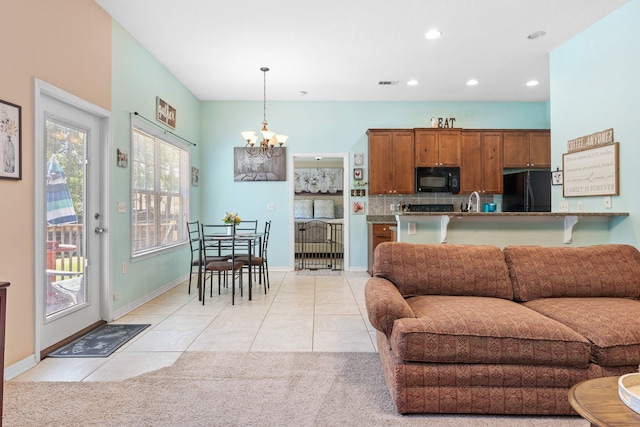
(241,241)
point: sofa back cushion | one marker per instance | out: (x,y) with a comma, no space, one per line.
(436,269)
(590,271)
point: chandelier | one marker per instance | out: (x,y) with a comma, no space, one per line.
(271,144)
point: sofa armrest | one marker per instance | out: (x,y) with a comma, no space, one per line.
(385,304)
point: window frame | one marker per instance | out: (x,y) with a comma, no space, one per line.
(159,137)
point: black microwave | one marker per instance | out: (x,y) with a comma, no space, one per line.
(438,180)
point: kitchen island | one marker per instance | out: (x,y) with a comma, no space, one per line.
(507,228)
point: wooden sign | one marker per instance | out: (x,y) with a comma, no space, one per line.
(591,172)
(594,140)
(165,113)
(443,122)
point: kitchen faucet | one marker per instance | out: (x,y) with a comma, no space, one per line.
(477,205)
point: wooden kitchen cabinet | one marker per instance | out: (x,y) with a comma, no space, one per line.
(437,147)
(378,233)
(481,162)
(391,161)
(527,149)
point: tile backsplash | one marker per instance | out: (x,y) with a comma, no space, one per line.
(381,205)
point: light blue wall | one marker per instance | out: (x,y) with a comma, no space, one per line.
(594,86)
(323,127)
(137,79)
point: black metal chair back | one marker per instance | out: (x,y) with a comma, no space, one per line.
(219,241)
(193,228)
(247,226)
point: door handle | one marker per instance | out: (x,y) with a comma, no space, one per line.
(99,230)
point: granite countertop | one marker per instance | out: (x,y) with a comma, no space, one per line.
(381,219)
(385,219)
(526,214)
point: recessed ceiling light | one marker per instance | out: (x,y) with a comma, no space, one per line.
(433,34)
(536,35)
(533,83)
(472,82)
(413,82)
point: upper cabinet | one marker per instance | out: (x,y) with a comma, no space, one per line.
(481,168)
(527,149)
(437,147)
(391,161)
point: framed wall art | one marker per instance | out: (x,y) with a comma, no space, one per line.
(318,181)
(591,172)
(357,174)
(258,168)
(123,158)
(10,140)
(195,176)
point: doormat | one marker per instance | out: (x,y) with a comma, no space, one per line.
(100,342)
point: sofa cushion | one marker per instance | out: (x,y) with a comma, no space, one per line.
(431,269)
(611,324)
(484,388)
(592,271)
(454,329)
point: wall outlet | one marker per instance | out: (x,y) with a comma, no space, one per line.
(124,268)
(607,202)
(580,206)
(271,207)
(116,296)
(122,207)
(564,206)
(411,229)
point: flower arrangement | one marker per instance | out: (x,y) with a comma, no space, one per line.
(231,218)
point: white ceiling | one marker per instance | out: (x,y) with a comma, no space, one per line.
(338,50)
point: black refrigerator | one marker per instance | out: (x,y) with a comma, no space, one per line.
(528,191)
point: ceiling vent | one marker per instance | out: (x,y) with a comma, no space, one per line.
(387,82)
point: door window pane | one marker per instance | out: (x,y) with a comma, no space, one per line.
(65,181)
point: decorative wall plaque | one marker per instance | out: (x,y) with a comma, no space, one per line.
(165,113)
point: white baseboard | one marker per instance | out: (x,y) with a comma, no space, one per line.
(12,371)
(145,299)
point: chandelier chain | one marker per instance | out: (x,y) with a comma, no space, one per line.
(271,144)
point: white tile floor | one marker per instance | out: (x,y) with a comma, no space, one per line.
(298,313)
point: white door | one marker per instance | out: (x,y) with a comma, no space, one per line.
(70,147)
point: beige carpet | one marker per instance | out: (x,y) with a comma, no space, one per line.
(238,389)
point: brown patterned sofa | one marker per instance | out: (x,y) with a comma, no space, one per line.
(476,329)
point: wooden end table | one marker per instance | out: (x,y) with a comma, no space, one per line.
(597,401)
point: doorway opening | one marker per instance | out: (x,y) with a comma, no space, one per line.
(320,226)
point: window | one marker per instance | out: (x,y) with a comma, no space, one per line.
(159,189)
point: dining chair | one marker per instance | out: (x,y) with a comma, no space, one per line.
(217,239)
(247,226)
(260,260)
(197,255)
(193,228)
